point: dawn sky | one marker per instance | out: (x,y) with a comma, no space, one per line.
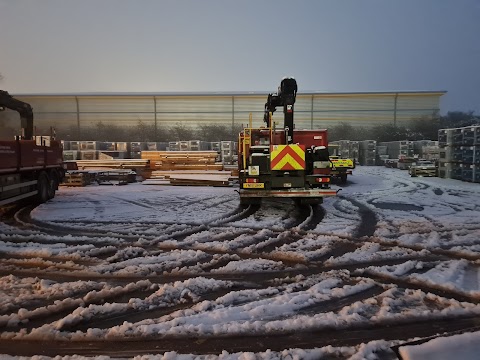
(57,46)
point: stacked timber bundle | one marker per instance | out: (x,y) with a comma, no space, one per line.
(182,160)
(132,164)
(186,168)
(190,178)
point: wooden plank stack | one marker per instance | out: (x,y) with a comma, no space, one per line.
(132,164)
(199,181)
(190,178)
(182,160)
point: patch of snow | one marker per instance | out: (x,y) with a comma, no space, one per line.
(464,346)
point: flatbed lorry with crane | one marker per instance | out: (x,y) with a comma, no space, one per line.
(284,162)
(31,167)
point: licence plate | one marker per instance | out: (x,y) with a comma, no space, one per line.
(253,185)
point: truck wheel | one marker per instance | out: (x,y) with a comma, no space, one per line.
(51,186)
(43,187)
(55,177)
(54,182)
(343,178)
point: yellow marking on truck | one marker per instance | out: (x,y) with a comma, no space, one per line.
(287,157)
(348,163)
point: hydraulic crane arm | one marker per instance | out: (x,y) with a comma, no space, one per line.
(24,109)
(285,96)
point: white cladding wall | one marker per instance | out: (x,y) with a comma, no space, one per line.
(317,110)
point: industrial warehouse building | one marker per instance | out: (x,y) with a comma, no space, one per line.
(313,110)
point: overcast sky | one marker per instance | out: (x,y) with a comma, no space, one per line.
(56,46)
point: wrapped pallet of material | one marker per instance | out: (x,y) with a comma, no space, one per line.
(183,145)
(122,146)
(468,172)
(174,146)
(446,154)
(445,137)
(431,153)
(445,170)
(137,146)
(108,146)
(197,145)
(90,145)
(156,146)
(88,155)
(74,145)
(457,137)
(65,144)
(69,155)
(367,152)
(476,173)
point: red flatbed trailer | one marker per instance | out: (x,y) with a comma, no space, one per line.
(30,166)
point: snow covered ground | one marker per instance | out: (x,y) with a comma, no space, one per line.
(188,269)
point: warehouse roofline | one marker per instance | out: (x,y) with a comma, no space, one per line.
(238,93)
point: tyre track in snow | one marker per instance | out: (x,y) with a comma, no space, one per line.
(306,217)
(302,224)
(215,345)
(366,229)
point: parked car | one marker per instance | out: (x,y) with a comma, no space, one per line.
(423,168)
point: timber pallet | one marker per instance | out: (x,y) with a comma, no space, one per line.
(76,179)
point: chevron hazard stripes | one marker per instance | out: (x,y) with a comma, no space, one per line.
(287,157)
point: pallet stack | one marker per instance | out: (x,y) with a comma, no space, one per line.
(157,146)
(228,151)
(136,149)
(398,149)
(347,149)
(216,146)
(173,146)
(367,152)
(460,153)
(198,145)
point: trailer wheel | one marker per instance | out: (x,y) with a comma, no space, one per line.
(43,187)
